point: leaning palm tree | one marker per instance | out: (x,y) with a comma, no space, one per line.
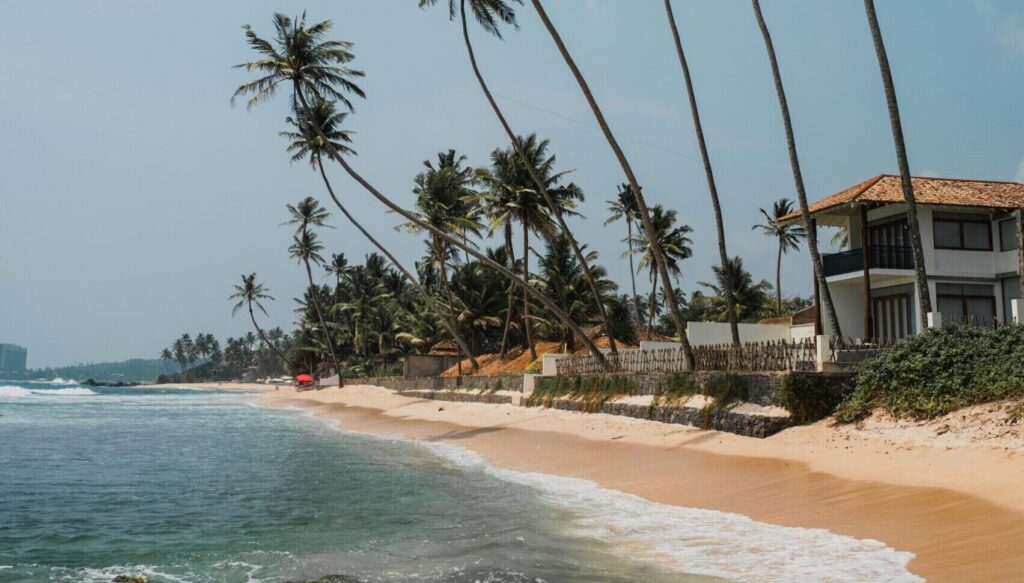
(306,142)
(316,69)
(306,250)
(794,161)
(789,236)
(624,207)
(488,14)
(645,216)
(920,275)
(510,196)
(723,255)
(673,242)
(249,294)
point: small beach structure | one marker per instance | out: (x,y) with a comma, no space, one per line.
(304,380)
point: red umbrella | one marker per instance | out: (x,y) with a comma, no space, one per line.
(304,378)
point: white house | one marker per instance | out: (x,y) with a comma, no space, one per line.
(969,237)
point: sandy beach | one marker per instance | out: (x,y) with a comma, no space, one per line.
(946,493)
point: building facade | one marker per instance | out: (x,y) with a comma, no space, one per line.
(12,358)
(969,235)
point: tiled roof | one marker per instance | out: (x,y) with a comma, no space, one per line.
(886,188)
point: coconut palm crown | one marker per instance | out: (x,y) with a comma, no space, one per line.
(302,56)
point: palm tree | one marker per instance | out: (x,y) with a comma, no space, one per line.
(723,255)
(789,236)
(306,250)
(317,70)
(624,207)
(673,243)
(313,140)
(510,196)
(794,161)
(920,275)
(444,199)
(249,294)
(337,267)
(167,355)
(488,14)
(561,276)
(645,216)
(750,297)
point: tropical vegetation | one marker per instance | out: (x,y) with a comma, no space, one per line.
(502,268)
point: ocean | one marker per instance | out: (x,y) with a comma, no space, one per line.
(184,485)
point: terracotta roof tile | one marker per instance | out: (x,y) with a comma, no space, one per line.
(886,188)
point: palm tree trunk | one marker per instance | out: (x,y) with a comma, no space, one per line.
(313,293)
(511,290)
(405,272)
(778,281)
(632,273)
(525,219)
(483,258)
(650,307)
(440,253)
(539,182)
(265,340)
(920,275)
(645,215)
(794,162)
(723,255)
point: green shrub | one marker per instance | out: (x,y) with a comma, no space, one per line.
(808,397)
(931,374)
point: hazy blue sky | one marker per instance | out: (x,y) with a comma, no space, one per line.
(132,195)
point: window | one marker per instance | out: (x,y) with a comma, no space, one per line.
(969,304)
(893,317)
(972,234)
(1011,291)
(1008,235)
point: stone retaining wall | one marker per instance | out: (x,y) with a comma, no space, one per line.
(747,424)
(399,384)
(459,396)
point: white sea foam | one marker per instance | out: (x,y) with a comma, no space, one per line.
(704,542)
(60,381)
(22,392)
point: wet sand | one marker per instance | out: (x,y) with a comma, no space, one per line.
(971,529)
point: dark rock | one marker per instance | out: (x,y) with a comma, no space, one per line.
(130,579)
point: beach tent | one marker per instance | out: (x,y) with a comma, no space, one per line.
(304,380)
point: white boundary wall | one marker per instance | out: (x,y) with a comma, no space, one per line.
(704,333)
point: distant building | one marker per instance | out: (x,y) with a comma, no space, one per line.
(12,358)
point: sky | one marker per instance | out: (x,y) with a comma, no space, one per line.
(133,195)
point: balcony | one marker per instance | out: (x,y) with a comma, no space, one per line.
(879,256)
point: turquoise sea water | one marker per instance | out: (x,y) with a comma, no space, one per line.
(198,486)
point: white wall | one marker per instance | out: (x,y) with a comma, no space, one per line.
(802,332)
(704,333)
(848,299)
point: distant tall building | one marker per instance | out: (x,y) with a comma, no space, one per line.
(12,358)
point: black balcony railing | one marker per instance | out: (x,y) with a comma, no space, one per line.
(879,256)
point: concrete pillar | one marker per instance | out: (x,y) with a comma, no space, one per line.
(934,320)
(1017,309)
(528,380)
(823,345)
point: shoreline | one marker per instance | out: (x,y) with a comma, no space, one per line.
(959,510)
